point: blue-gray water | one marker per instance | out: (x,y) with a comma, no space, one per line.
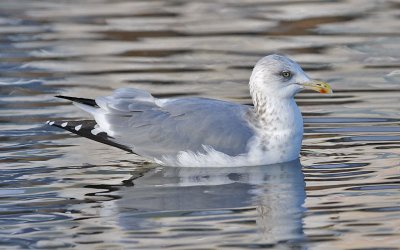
(60,191)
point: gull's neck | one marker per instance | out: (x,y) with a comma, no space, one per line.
(273,112)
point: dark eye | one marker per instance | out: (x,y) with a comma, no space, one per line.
(286,74)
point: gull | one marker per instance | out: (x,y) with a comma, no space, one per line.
(203,132)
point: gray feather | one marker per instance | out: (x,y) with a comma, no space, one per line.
(186,124)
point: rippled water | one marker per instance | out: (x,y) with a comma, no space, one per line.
(60,191)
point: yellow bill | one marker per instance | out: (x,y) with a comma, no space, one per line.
(319,86)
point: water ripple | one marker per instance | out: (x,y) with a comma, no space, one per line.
(55,186)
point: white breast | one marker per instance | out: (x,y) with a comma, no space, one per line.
(280,133)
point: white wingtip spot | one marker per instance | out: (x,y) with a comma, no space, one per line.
(47,122)
(51,123)
(64,124)
(77,128)
(95,131)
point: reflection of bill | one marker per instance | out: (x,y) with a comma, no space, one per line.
(271,196)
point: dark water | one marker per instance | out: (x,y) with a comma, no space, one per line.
(60,191)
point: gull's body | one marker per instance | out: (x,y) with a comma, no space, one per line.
(207,132)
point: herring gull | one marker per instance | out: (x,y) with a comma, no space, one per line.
(195,131)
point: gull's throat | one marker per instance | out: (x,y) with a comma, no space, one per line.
(274,113)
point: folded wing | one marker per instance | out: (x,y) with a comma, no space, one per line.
(155,128)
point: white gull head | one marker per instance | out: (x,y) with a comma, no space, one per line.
(278,76)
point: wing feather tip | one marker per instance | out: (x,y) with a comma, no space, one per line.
(88,129)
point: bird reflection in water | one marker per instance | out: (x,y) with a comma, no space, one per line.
(274,193)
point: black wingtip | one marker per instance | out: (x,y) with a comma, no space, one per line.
(85,128)
(86,101)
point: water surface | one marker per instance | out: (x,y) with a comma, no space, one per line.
(61,191)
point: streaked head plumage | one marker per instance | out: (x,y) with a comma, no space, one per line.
(278,76)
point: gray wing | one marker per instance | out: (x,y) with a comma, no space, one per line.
(156,127)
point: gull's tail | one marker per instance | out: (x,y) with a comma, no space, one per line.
(86,101)
(87,128)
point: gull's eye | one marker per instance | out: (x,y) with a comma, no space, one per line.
(286,74)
